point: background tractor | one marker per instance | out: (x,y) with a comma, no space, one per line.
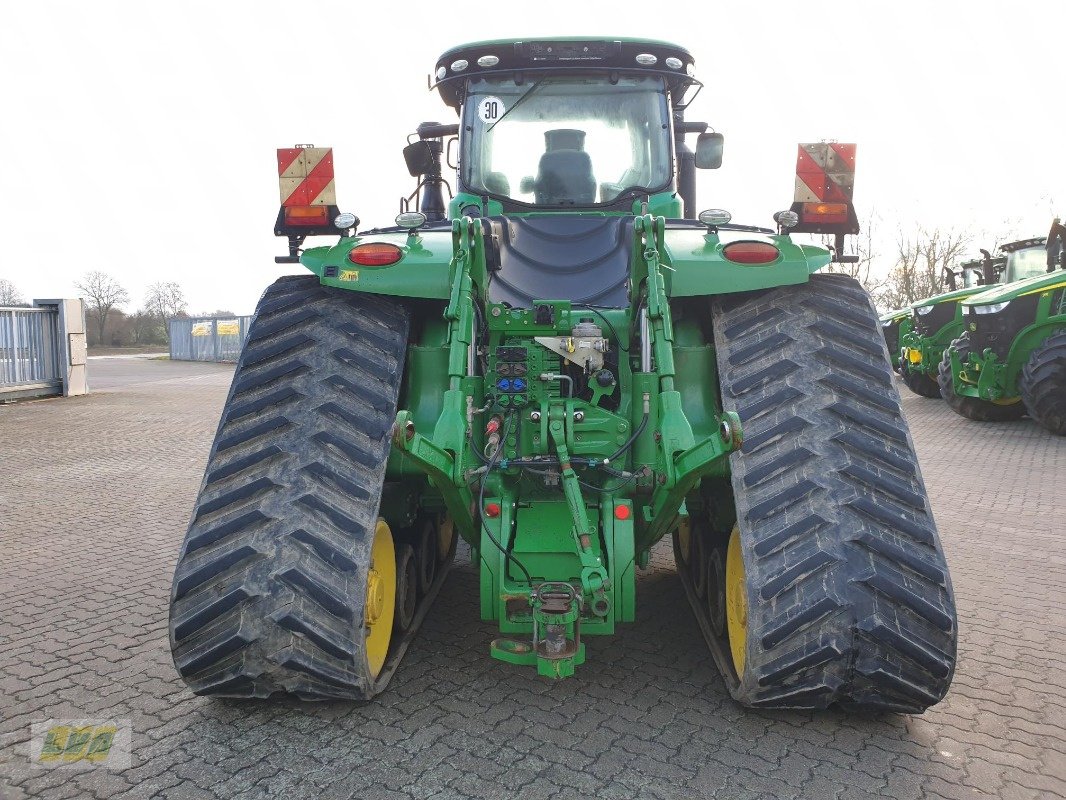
(1011,357)
(937,320)
(563,364)
(894,326)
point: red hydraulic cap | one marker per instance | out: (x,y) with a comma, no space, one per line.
(492,510)
(621,511)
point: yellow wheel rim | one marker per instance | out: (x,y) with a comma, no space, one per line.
(380,597)
(736,602)
(445,534)
(684,538)
(1012,401)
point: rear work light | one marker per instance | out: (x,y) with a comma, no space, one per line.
(825,213)
(375,255)
(750,252)
(311,216)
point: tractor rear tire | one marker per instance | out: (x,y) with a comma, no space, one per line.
(846,593)
(921,384)
(282,583)
(1043,384)
(972,407)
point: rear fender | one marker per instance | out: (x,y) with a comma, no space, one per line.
(422,271)
(697,267)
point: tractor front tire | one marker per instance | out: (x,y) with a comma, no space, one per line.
(286,581)
(972,407)
(1043,384)
(845,594)
(921,384)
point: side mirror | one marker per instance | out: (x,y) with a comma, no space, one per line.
(420,158)
(709,148)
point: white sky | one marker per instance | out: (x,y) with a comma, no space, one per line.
(138,137)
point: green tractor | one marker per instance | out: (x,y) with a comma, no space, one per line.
(1010,358)
(556,365)
(937,320)
(894,326)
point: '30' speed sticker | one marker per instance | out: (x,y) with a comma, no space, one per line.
(490,109)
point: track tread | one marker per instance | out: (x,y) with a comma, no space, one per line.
(849,598)
(270,585)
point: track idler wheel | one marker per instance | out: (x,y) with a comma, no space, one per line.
(380,606)
(736,602)
(716,583)
(445,539)
(697,563)
(406,588)
(428,548)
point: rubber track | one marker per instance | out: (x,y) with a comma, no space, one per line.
(270,585)
(849,598)
(971,407)
(1043,383)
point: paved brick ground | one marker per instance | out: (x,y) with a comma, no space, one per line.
(94,498)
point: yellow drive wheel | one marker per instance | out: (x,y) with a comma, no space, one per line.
(684,538)
(380,597)
(736,602)
(445,537)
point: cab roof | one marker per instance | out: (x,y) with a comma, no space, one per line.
(562,54)
(1010,247)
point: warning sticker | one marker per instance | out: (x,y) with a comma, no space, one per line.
(490,109)
(349,275)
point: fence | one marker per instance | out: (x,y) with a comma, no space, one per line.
(29,349)
(208,338)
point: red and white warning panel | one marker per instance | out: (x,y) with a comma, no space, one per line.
(825,181)
(305,176)
(308,192)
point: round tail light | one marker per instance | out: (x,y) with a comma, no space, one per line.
(750,252)
(375,254)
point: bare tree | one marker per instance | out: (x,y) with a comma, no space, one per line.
(165,301)
(102,293)
(921,257)
(9,294)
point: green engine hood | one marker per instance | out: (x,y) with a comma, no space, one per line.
(952,297)
(1008,291)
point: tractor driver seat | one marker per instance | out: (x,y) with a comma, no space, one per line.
(564,175)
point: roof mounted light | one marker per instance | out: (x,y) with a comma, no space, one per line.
(441,72)
(460,65)
(411,219)
(715,216)
(787,219)
(673,63)
(647,59)
(488,61)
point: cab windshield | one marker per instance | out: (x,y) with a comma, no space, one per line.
(1026,263)
(566,141)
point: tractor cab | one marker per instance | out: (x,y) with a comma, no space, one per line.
(570,124)
(1025,259)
